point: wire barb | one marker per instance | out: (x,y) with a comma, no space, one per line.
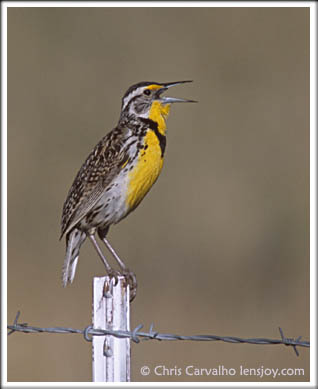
(136,335)
(152,333)
(289,341)
(15,323)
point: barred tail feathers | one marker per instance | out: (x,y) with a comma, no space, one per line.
(74,240)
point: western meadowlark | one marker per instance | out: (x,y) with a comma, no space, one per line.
(117,174)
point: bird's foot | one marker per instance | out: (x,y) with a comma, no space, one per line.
(131,280)
(113,274)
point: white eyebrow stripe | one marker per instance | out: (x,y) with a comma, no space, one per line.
(130,96)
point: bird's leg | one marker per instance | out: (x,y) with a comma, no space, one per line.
(129,275)
(110,271)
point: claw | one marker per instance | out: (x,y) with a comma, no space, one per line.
(114,274)
(131,280)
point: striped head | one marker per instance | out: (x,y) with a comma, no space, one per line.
(145,100)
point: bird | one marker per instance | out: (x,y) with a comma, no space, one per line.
(117,175)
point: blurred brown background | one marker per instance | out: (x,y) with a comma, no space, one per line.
(221,243)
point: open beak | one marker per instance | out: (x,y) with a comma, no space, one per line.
(169,100)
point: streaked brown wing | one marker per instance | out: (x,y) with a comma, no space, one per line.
(99,169)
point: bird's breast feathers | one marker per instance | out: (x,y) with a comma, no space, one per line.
(147,167)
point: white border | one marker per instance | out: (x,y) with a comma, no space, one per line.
(4,194)
(313,187)
(166,4)
(313,194)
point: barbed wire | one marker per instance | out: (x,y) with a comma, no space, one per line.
(136,335)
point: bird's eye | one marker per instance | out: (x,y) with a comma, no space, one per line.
(147,92)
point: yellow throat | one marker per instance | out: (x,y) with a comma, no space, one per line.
(159,113)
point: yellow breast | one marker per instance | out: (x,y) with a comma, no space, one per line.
(146,170)
(150,159)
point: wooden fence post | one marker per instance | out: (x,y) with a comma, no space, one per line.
(111,311)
